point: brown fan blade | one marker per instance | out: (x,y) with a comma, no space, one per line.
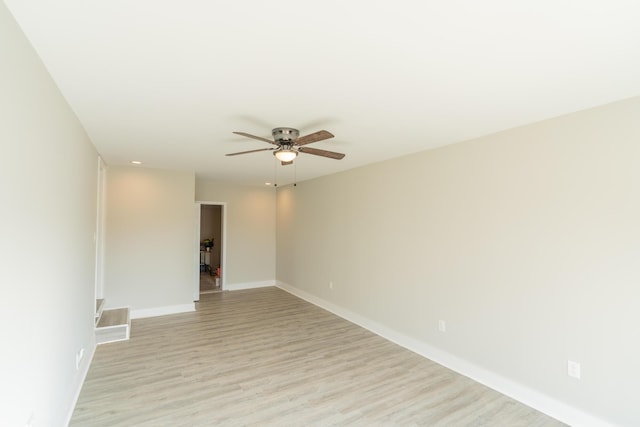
(321,135)
(259,138)
(250,151)
(323,153)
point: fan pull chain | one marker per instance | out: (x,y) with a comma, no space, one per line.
(275,173)
(295,174)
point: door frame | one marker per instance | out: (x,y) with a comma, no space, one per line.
(196,246)
(98,236)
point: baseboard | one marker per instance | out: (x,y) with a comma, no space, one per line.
(249,285)
(534,399)
(162,311)
(84,370)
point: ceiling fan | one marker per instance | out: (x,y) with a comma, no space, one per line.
(289,143)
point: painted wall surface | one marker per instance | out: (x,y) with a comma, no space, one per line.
(526,242)
(149,235)
(48,172)
(250,234)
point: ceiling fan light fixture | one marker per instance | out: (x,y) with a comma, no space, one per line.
(288,144)
(285,155)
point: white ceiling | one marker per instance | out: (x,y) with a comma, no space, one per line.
(167,81)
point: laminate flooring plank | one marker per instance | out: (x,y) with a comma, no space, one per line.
(263,357)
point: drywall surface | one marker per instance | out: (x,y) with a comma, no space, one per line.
(250,233)
(149,238)
(48,174)
(526,243)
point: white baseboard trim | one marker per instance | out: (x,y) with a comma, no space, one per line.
(162,311)
(539,401)
(84,370)
(249,285)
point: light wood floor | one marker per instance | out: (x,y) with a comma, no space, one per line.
(266,358)
(208,283)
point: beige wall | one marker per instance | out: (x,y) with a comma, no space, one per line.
(149,238)
(250,234)
(526,242)
(48,170)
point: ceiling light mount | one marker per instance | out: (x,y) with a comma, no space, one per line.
(285,135)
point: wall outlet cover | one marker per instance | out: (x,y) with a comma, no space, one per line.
(573,369)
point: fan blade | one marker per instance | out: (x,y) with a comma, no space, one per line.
(259,138)
(287,163)
(323,153)
(250,151)
(321,135)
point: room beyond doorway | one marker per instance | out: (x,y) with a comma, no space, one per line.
(209,283)
(211,236)
(210,247)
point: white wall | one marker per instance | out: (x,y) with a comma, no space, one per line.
(48,171)
(250,234)
(526,242)
(149,238)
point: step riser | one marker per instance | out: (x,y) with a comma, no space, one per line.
(112,334)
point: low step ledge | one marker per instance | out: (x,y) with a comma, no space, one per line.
(113,325)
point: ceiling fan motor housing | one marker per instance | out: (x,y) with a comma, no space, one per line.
(285,135)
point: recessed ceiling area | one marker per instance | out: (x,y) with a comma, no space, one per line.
(167,82)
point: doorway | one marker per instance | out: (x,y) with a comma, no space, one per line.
(210,247)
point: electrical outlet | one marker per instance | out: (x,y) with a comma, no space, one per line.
(442,326)
(29,422)
(79,356)
(330,285)
(573,369)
